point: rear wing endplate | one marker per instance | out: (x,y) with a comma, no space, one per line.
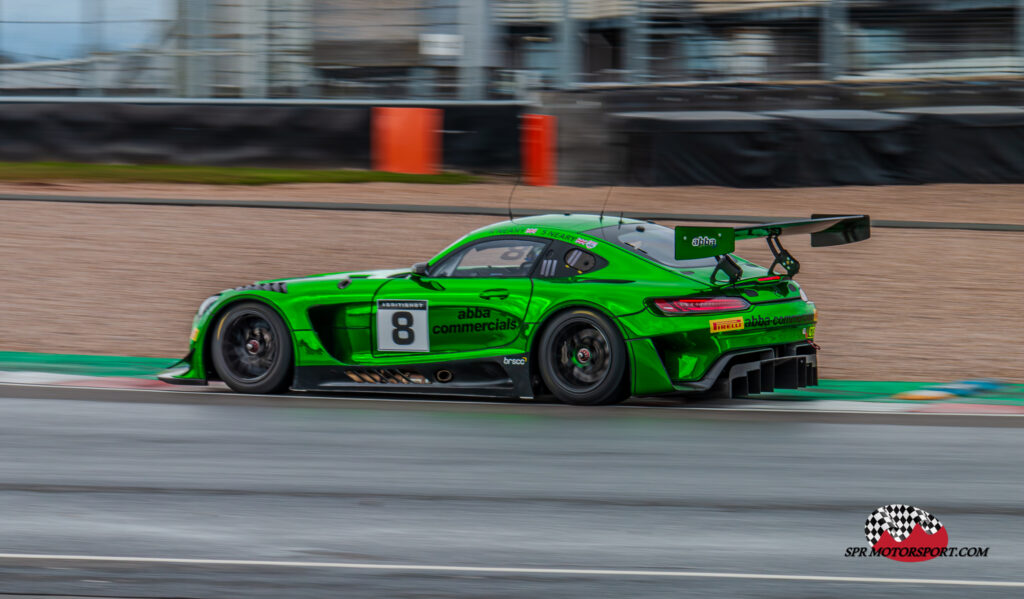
(825,230)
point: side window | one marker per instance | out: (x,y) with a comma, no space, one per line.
(565,260)
(580,260)
(494,258)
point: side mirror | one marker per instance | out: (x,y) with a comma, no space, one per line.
(419,269)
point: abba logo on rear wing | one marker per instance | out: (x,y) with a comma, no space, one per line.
(704,242)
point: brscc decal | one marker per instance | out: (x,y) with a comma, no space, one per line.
(726,324)
(586,243)
(515,361)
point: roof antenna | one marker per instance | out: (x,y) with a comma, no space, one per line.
(512,193)
(603,206)
(620,219)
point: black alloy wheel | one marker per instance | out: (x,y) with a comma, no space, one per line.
(252,349)
(582,359)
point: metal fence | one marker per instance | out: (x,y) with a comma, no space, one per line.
(479,49)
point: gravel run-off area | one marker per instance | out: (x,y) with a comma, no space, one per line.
(930,305)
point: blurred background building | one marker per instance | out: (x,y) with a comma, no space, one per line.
(493,49)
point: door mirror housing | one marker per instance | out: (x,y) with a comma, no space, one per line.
(419,269)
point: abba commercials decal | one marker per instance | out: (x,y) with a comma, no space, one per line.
(501,323)
(908,534)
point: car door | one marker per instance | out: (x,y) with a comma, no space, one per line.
(474,299)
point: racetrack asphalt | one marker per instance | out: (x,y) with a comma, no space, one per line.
(303,497)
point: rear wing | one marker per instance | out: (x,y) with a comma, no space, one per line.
(825,230)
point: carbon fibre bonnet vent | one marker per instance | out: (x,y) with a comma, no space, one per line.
(278,287)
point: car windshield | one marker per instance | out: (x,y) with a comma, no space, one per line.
(654,242)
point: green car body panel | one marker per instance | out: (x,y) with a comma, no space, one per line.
(485,329)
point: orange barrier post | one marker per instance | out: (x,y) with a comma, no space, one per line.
(538,139)
(406,140)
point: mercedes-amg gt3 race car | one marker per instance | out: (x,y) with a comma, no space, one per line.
(587,308)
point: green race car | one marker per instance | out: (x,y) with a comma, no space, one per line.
(587,308)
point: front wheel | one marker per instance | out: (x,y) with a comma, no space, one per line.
(252,349)
(582,359)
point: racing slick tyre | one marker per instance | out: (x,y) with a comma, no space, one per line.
(252,349)
(582,359)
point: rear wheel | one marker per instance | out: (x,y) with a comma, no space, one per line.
(582,359)
(252,349)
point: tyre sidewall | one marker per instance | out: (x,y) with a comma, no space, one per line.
(613,389)
(277,377)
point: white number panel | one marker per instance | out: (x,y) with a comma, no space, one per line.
(402,325)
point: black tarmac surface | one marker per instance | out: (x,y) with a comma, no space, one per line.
(370,489)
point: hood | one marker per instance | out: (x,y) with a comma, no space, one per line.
(337,276)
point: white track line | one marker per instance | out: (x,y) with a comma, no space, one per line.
(31,377)
(505,570)
(428,401)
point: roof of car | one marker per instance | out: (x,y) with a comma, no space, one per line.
(568,222)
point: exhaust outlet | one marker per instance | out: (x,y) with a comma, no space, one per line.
(444,376)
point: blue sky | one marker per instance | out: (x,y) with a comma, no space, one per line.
(54,37)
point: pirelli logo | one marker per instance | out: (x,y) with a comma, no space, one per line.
(726,324)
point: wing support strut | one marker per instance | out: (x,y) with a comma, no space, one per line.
(782,256)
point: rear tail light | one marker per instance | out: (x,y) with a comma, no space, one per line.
(699,305)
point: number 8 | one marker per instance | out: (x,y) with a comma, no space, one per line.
(402,321)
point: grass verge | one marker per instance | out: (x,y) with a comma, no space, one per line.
(209,175)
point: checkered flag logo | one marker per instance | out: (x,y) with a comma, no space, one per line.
(899,519)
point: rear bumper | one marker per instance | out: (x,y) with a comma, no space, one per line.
(763,370)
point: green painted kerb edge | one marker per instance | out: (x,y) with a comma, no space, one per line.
(883,392)
(125,366)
